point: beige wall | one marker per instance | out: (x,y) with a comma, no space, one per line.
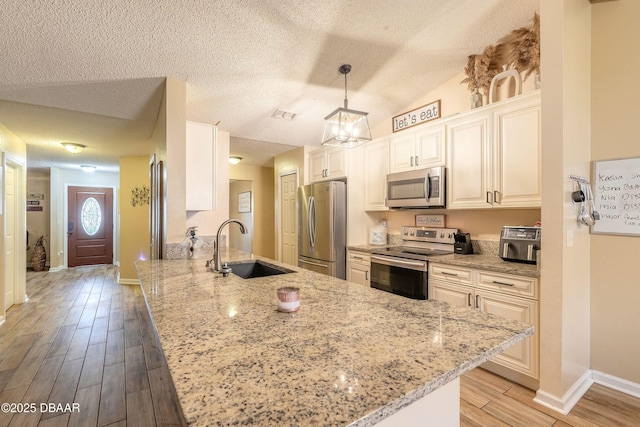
(174,159)
(615,274)
(134,220)
(262,193)
(38,221)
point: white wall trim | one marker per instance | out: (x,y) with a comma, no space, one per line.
(616,383)
(570,398)
(2,319)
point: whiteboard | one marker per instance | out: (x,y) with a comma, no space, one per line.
(616,187)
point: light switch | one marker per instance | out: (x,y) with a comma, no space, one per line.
(569,238)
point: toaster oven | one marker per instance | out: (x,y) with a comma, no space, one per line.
(520,244)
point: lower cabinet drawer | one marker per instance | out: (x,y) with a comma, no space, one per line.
(508,284)
(450,273)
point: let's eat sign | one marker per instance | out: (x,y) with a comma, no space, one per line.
(418,116)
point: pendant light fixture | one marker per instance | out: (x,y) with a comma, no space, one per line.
(344,127)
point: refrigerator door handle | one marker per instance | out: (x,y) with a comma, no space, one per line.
(311,221)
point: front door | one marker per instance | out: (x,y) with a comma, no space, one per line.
(90,229)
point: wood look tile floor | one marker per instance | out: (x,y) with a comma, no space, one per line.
(84,339)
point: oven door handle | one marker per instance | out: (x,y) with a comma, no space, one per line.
(398,262)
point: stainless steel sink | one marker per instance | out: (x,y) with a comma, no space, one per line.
(253,269)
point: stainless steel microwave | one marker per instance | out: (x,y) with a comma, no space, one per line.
(422,188)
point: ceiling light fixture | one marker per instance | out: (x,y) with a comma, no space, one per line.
(234,160)
(88,168)
(345,127)
(73,147)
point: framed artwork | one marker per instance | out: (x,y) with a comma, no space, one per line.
(244,202)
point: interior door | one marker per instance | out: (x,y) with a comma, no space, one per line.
(10,237)
(288,226)
(90,228)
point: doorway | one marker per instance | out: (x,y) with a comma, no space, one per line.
(90,226)
(241,207)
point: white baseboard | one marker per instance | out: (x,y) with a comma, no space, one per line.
(128,281)
(58,268)
(2,319)
(616,383)
(570,398)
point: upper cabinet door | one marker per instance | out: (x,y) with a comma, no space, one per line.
(200,159)
(402,152)
(517,154)
(430,147)
(327,163)
(418,148)
(336,163)
(469,171)
(317,165)
(376,167)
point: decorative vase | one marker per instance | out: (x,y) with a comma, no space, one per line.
(510,73)
(39,258)
(476,99)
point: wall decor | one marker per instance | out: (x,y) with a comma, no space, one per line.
(140,196)
(436,221)
(244,202)
(616,187)
(35,196)
(418,116)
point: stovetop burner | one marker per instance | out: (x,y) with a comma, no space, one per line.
(422,242)
(411,252)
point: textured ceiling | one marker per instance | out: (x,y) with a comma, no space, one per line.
(92,72)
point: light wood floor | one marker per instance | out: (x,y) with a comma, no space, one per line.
(82,338)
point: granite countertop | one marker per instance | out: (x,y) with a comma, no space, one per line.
(481,261)
(351,355)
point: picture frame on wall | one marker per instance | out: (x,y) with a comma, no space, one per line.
(244,202)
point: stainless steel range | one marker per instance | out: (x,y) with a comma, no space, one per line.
(403,270)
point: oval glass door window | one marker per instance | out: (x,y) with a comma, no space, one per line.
(91,216)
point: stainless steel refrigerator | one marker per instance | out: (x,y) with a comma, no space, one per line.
(322,228)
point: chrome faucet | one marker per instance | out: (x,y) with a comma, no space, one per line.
(217,267)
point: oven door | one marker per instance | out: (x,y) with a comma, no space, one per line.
(400,276)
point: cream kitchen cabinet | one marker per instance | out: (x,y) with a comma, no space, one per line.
(494,156)
(327,163)
(376,168)
(506,295)
(200,166)
(359,267)
(418,148)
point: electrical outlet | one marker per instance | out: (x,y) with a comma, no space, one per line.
(569,238)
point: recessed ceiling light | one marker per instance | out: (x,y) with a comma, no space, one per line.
(88,168)
(73,147)
(234,160)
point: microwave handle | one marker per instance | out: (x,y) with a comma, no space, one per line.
(427,186)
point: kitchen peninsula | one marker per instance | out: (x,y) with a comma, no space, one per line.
(351,355)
